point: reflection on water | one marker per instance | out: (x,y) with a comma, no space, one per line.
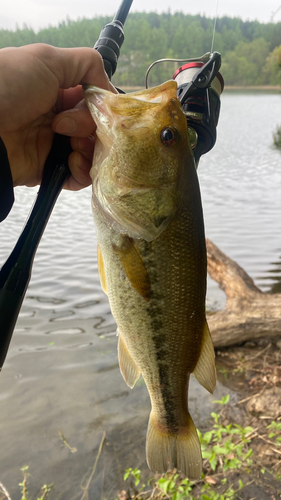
(62,372)
(274,277)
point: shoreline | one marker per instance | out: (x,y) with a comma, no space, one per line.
(227,87)
(253,87)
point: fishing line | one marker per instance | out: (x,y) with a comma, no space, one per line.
(214,30)
(203,59)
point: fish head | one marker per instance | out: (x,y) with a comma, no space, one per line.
(141,153)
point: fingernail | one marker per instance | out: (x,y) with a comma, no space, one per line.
(66,125)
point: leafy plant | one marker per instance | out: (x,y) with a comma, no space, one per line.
(46,488)
(172,487)
(275,428)
(23,484)
(226,445)
(225,448)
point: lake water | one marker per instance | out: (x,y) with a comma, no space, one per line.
(61,372)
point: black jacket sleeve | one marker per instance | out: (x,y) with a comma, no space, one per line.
(6,183)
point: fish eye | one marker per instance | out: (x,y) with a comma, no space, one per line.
(169,136)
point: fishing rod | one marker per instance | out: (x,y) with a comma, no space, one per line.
(16,272)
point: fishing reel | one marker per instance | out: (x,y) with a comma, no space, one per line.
(199,88)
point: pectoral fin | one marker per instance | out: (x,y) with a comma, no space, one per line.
(101,270)
(205,370)
(134,267)
(127,365)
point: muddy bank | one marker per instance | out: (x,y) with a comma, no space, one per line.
(251,374)
(253,371)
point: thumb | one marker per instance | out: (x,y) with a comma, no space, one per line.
(78,66)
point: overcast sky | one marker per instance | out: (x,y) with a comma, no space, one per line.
(42,13)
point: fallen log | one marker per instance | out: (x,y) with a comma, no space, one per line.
(249,313)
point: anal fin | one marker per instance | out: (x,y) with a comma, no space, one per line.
(205,370)
(127,365)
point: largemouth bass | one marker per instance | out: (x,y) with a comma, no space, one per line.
(152,260)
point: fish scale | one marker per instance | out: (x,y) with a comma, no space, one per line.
(152,261)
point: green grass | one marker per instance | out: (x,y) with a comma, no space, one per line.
(229,466)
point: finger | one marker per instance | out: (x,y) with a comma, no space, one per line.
(83,65)
(80,168)
(68,98)
(84,145)
(75,122)
(71,67)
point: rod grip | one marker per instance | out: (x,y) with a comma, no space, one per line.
(15,273)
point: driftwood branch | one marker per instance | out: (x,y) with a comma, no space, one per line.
(249,313)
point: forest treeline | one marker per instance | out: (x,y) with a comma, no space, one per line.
(251,51)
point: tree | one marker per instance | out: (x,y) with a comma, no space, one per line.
(188,40)
(249,49)
(245,65)
(272,69)
(237,70)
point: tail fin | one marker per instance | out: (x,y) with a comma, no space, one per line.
(166,451)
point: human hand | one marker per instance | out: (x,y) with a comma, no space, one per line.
(41,93)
